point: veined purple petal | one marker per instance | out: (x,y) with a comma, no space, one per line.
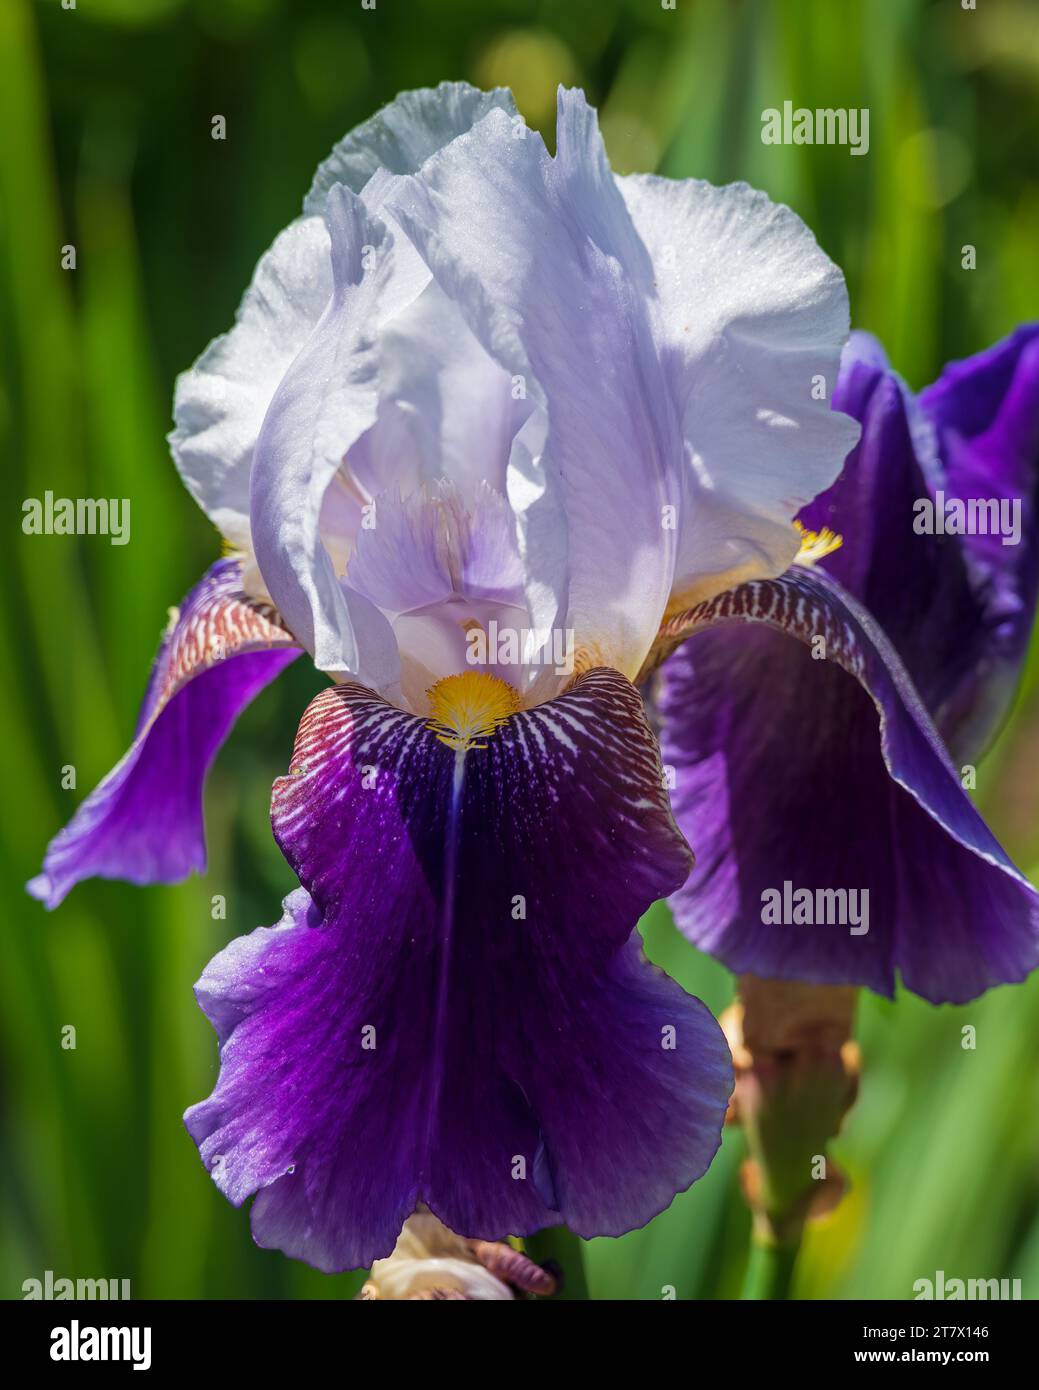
(821,769)
(461,1016)
(143,823)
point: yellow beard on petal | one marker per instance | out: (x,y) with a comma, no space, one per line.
(468,707)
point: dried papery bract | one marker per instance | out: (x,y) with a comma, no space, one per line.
(797,1071)
(432,1264)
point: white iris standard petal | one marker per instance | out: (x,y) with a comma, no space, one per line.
(610,397)
(749,315)
(542,258)
(220,402)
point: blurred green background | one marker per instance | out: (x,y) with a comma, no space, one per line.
(105,115)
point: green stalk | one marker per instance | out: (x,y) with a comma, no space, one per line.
(796,1077)
(770,1269)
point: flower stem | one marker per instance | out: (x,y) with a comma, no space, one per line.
(796,1077)
(770,1270)
(558,1246)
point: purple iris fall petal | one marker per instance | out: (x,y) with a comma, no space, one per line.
(143,823)
(828,775)
(958,608)
(459,1014)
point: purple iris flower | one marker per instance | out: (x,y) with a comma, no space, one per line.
(485,421)
(813,720)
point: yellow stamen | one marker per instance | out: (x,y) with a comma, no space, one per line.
(816,544)
(469,706)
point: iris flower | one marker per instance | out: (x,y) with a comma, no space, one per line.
(813,720)
(473,393)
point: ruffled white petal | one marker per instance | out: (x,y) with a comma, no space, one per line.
(750,316)
(220,402)
(402,136)
(325,402)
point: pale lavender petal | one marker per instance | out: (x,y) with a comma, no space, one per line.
(325,402)
(750,316)
(447,409)
(437,543)
(542,258)
(401,136)
(221,400)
